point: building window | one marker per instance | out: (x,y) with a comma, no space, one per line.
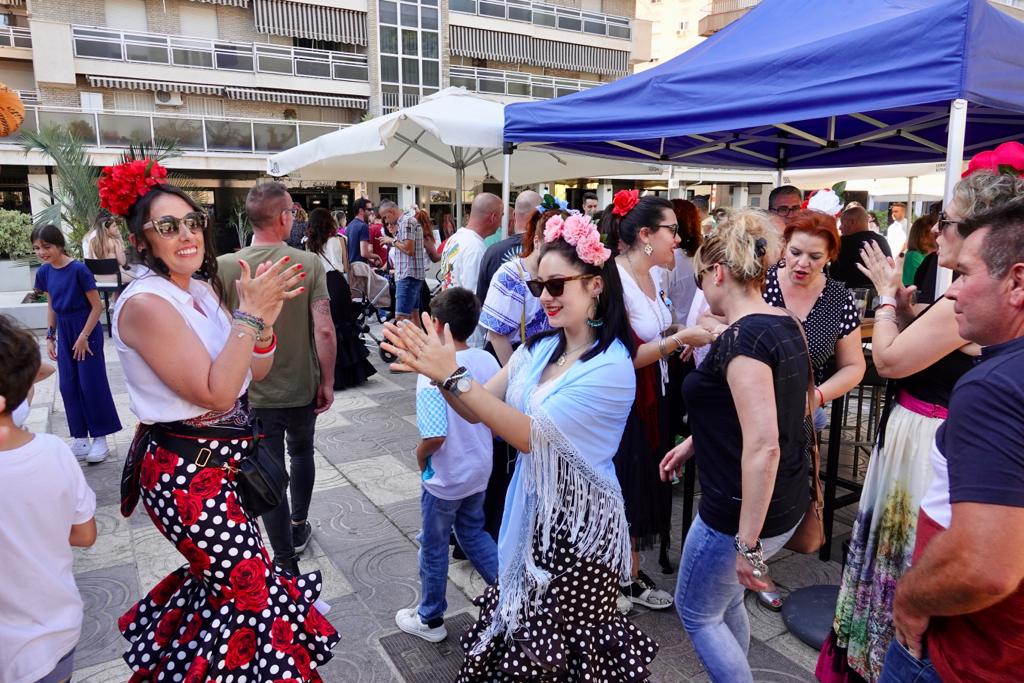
(91,101)
(204,106)
(134,101)
(410,66)
(684,26)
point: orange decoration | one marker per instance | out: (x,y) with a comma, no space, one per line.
(12,111)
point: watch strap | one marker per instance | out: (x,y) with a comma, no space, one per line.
(459,373)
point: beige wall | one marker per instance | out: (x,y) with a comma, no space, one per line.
(668,39)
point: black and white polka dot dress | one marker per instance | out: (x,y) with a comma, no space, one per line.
(576,635)
(833,316)
(229,615)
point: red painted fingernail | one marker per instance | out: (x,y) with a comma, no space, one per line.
(287,259)
(302,275)
(299,266)
(302,289)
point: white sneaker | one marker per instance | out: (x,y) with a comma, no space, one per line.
(409,621)
(623,604)
(80,447)
(98,452)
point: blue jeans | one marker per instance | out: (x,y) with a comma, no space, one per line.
(902,667)
(466,516)
(709,600)
(407,295)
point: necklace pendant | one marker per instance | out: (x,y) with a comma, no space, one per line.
(561,360)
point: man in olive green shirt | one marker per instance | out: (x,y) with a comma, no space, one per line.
(300,384)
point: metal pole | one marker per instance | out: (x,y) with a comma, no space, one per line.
(506,185)
(954,160)
(460,170)
(778,178)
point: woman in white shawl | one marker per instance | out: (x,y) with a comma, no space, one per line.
(562,402)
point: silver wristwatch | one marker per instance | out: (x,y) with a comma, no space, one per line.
(458,382)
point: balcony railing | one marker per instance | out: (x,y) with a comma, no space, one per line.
(193,133)
(15,36)
(151,48)
(516,84)
(552,16)
(28,96)
(392,101)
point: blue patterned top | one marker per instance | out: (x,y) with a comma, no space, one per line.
(510,305)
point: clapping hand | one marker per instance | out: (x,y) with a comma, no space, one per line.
(424,352)
(885,272)
(264,293)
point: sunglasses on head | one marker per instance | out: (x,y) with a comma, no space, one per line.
(555,285)
(168,227)
(700,274)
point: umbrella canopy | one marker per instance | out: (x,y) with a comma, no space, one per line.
(428,144)
(806,84)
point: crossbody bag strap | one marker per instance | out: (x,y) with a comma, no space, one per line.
(522,317)
(815,451)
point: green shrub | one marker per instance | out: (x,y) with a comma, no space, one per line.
(15,234)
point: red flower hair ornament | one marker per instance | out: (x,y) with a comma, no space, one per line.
(122,185)
(1006,158)
(624,201)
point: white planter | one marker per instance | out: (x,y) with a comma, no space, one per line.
(15,276)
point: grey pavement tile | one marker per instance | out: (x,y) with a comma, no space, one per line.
(383,479)
(796,651)
(333,582)
(107,593)
(379,384)
(797,571)
(346,402)
(331,420)
(400,400)
(358,656)
(105,479)
(113,542)
(344,518)
(155,556)
(347,444)
(114,671)
(406,515)
(327,475)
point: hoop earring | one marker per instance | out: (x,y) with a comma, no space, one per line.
(593,322)
(648,249)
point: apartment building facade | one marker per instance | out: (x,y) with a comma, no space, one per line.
(235,80)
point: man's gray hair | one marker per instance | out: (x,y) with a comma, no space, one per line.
(265,202)
(386,205)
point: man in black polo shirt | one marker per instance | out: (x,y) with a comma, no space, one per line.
(853,225)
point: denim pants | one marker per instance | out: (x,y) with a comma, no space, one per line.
(440,516)
(902,667)
(293,426)
(709,600)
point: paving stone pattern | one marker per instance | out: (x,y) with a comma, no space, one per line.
(365,516)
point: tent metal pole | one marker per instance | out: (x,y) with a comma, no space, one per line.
(954,160)
(778,178)
(506,184)
(459,173)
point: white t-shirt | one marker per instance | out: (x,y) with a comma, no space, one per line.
(42,494)
(462,465)
(332,258)
(896,236)
(460,260)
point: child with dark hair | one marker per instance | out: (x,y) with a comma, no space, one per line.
(455,458)
(45,508)
(75,340)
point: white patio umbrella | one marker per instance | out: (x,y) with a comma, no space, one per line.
(448,139)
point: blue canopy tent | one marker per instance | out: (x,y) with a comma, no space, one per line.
(808,84)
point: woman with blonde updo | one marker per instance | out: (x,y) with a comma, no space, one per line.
(747,403)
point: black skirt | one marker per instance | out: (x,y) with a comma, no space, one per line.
(351,365)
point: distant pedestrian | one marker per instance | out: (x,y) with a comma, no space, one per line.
(410,260)
(74,339)
(896,233)
(297,235)
(590,204)
(920,243)
(46,507)
(524,214)
(360,248)
(853,226)
(454,457)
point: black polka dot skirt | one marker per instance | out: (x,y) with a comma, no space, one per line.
(576,635)
(228,615)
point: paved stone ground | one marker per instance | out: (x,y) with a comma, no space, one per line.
(365,515)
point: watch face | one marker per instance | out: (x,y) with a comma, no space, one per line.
(462,386)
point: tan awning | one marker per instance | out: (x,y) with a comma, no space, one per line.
(229,3)
(316,22)
(13,3)
(286,97)
(137,84)
(518,48)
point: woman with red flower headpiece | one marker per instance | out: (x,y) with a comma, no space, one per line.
(187,362)
(921,349)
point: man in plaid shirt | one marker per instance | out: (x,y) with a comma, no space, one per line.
(410,260)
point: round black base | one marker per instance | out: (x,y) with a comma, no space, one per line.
(808,613)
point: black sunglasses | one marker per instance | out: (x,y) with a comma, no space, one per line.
(555,285)
(168,227)
(945,222)
(700,273)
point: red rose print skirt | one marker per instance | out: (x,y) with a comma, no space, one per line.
(229,615)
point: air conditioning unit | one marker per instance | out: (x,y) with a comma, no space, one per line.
(168,98)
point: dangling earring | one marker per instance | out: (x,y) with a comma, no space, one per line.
(593,322)
(648,249)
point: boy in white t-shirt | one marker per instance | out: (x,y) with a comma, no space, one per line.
(455,459)
(45,508)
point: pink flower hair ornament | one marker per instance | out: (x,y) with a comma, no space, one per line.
(578,231)
(1006,158)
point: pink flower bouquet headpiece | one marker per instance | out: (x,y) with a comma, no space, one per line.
(1006,158)
(579,231)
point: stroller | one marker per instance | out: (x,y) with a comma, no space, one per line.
(372,291)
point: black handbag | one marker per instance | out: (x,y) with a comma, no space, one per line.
(261,480)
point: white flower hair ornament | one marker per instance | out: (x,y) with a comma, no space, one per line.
(826,201)
(579,231)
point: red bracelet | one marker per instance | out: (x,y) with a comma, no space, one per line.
(821,396)
(260,353)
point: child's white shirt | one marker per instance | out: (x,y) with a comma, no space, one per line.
(42,494)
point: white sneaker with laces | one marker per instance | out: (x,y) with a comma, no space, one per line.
(80,447)
(409,621)
(98,452)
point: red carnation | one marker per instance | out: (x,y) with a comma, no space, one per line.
(197,672)
(149,473)
(235,512)
(189,506)
(191,629)
(167,627)
(166,461)
(128,618)
(624,201)
(241,648)
(317,625)
(197,558)
(121,186)
(281,635)
(163,591)
(207,482)
(249,584)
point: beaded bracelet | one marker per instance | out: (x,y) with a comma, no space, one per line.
(253,321)
(51,334)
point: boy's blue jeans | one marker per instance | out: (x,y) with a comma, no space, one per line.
(466,517)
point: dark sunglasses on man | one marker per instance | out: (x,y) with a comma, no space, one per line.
(554,285)
(168,227)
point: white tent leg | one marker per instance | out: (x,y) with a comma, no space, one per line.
(778,178)
(954,160)
(506,187)
(460,172)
